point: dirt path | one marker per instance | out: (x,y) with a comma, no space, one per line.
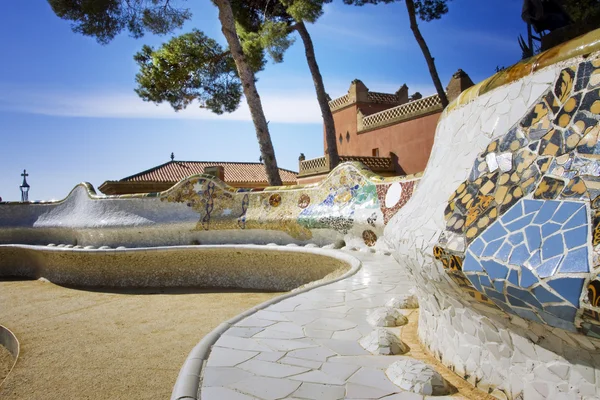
(78,344)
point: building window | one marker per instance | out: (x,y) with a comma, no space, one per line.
(375,152)
(347,136)
(341,139)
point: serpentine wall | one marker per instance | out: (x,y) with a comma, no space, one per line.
(351,206)
(503,234)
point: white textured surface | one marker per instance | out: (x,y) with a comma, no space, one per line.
(508,357)
(323,360)
(383,342)
(417,377)
(386,316)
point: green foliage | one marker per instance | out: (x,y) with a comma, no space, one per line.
(275,39)
(187,68)
(104,19)
(272,37)
(582,11)
(305,10)
(426,10)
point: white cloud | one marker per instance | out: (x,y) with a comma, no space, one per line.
(279,106)
(291,106)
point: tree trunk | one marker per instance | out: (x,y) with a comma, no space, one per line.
(410,7)
(330,139)
(252,98)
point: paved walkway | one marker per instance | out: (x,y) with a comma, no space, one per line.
(307,346)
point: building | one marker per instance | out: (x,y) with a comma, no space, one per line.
(391,133)
(247,175)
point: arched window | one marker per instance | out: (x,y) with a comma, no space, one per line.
(341,139)
(347,136)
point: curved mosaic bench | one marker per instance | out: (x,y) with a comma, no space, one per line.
(502,235)
(352,204)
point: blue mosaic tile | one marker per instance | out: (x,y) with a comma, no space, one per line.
(499,286)
(531,206)
(492,248)
(471,263)
(549,228)
(552,247)
(569,288)
(575,261)
(504,252)
(580,218)
(517,302)
(519,255)
(555,321)
(477,246)
(493,232)
(485,281)
(548,268)
(563,312)
(516,238)
(535,260)
(527,278)
(524,295)
(545,296)
(527,314)
(515,212)
(513,277)
(546,211)
(495,295)
(475,281)
(494,270)
(520,223)
(576,237)
(534,238)
(566,211)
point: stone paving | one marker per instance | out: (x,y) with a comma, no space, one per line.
(307,346)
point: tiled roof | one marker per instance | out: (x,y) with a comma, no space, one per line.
(174,171)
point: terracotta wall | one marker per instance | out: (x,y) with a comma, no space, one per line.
(410,140)
(345,122)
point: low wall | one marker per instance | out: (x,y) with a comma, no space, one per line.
(351,205)
(11,343)
(242,266)
(502,235)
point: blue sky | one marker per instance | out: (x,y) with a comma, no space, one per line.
(68,112)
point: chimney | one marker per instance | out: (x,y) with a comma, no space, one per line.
(358,92)
(216,171)
(402,94)
(459,82)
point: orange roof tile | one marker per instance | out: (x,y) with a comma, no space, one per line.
(174,171)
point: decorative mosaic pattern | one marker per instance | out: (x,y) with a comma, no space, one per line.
(517,228)
(351,196)
(393,197)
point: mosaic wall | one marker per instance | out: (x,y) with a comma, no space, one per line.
(351,198)
(500,235)
(516,232)
(352,204)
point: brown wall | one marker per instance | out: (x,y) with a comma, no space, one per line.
(410,140)
(345,122)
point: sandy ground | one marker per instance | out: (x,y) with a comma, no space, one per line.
(410,336)
(6,361)
(78,344)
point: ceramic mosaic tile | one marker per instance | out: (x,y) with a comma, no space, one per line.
(351,196)
(525,210)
